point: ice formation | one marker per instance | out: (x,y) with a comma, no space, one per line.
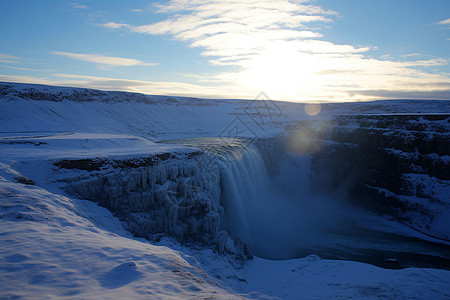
(209,198)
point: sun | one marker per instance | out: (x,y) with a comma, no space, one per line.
(279,71)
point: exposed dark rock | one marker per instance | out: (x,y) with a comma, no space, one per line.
(87,164)
(24,180)
(96,164)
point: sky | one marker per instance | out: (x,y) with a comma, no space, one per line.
(298,50)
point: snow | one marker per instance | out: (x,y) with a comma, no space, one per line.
(314,278)
(157,117)
(50,251)
(54,246)
(78,145)
(57,246)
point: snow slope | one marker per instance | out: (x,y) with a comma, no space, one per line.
(50,250)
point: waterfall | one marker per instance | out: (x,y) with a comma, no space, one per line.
(221,196)
(246,195)
(277,214)
(245,187)
(270,214)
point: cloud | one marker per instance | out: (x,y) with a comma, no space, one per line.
(141,86)
(138,10)
(411,54)
(114,25)
(103,60)
(393,94)
(223,28)
(17,68)
(427,63)
(26,79)
(445,22)
(79,6)
(9,59)
(277,46)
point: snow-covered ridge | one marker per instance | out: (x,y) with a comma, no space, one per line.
(37,108)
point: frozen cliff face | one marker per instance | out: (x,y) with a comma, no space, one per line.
(392,164)
(173,197)
(199,198)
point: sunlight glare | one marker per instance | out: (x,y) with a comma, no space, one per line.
(279,71)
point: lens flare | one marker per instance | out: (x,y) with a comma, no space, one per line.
(312,109)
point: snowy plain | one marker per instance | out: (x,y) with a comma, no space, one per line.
(56,246)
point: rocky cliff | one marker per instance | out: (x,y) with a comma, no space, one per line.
(392,164)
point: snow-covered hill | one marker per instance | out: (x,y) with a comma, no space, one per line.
(54,245)
(36,108)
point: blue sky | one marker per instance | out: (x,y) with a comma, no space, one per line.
(291,50)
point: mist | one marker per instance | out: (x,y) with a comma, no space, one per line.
(277,216)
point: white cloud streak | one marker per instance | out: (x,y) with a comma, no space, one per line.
(79,6)
(445,22)
(114,84)
(26,79)
(18,68)
(9,59)
(103,60)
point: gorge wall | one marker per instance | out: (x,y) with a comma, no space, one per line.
(392,164)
